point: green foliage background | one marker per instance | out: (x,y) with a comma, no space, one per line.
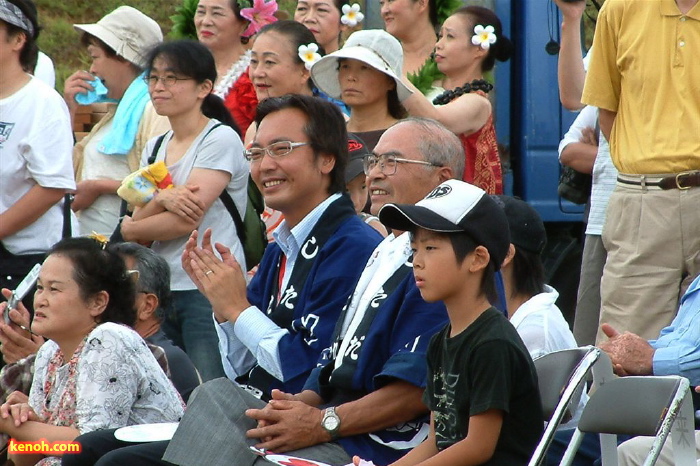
(61,42)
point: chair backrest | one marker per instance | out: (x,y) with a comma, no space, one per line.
(647,406)
(602,373)
(615,407)
(561,375)
(554,371)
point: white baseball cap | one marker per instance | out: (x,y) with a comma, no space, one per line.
(455,206)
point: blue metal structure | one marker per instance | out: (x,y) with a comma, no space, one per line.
(530,121)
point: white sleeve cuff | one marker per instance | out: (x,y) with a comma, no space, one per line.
(262,337)
(235,357)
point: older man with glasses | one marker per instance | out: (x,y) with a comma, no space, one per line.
(365,396)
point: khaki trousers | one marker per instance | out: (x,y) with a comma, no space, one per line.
(634,451)
(652,238)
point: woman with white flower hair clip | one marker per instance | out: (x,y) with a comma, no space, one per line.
(471,40)
(281,60)
(328,19)
(278,66)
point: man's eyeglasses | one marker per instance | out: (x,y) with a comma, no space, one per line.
(167,81)
(388,163)
(274,150)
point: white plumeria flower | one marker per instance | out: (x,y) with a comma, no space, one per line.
(483,36)
(309,55)
(352,15)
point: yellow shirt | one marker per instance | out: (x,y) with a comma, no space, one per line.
(646,67)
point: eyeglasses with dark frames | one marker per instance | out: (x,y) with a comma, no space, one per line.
(167,81)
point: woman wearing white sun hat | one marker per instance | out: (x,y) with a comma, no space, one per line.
(366,75)
(118,45)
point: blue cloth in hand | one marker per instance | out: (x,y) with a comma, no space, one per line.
(126,120)
(97,94)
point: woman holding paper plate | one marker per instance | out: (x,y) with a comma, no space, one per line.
(117,45)
(94,372)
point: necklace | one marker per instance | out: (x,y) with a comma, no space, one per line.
(449,96)
(232,75)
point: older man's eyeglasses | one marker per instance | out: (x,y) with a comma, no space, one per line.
(274,150)
(387,163)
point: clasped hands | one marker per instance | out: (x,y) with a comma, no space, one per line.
(16,411)
(287,423)
(629,353)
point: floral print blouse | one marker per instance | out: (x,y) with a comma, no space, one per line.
(111,381)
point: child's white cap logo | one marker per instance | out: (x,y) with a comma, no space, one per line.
(440,191)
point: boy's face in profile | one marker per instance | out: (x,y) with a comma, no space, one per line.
(438,275)
(357,188)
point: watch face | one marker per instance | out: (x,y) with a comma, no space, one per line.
(330,423)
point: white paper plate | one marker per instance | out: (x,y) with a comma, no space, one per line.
(146,432)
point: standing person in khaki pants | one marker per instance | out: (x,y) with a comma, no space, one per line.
(643,76)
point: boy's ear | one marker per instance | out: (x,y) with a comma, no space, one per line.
(509,257)
(480,259)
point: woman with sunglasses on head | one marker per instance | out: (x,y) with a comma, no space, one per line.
(94,372)
(471,40)
(204,156)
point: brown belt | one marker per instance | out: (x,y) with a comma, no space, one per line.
(684,180)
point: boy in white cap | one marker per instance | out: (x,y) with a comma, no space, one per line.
(482,386)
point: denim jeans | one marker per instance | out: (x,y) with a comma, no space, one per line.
(190,325)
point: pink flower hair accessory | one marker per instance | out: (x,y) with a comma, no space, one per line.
(262,13)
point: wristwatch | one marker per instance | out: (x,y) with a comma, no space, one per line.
(331,422)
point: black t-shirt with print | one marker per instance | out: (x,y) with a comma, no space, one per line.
(485,367)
